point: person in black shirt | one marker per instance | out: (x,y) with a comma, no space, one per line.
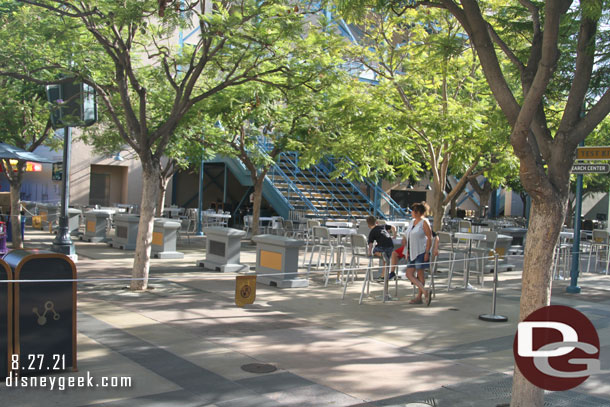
(380,235)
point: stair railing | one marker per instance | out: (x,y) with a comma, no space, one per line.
(292,166)
(275,169)
(325,170)
(395,210)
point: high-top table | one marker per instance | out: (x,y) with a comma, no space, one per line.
(339,224)
(470,237)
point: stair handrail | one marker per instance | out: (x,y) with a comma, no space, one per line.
(326,171)
(327,189)
(294,174)
(395,208)
(275,168)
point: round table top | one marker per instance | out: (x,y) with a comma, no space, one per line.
(470,236)
(339,224)
(342,231)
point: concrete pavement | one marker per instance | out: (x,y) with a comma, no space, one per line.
(184,342)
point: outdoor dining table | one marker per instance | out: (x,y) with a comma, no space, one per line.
(400,225)
(340,233)
(518,234)
(172,212)
(218,218)
(265,222)
(339,224)
(470,237)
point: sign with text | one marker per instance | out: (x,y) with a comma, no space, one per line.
(593,153)
(590,168)
(57,171)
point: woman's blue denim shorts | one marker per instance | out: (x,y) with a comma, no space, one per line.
(418,263)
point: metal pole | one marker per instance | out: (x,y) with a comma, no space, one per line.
(573,288)
(200,204)
(224,190)
(62,242)
(493,317)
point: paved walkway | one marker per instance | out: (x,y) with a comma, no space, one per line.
(184,342)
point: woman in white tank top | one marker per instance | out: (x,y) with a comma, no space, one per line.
(419,241)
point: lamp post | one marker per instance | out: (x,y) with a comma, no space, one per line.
(74,105)
(62,242)
(200,201)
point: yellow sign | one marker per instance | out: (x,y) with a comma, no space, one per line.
(271,260)
(36,222)
(91,226)
(593,153)
(157,239)
(245,290)
(29,166)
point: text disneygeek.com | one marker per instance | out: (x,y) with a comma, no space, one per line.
(67,382)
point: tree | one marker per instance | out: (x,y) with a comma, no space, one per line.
(257,122)
(131,56)
(24,122)
(430,76)
(542,92)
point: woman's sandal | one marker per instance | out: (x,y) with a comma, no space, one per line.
(415,301)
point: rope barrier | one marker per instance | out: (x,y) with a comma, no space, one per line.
(228,275)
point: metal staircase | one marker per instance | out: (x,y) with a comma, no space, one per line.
(313,193)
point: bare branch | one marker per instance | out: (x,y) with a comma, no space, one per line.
(62,12)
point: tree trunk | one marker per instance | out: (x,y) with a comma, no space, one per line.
(162,191)
(454,207)
(150,195)
(256,204)
(438,209)
(484,197)
(544,227)
(16,209)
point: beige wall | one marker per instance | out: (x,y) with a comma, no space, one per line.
(80,171)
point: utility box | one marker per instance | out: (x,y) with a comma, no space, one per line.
(44,322)
(96,225)
(277,261)
(125,231)
(223,250)
(165,234)
(49,215)
(74,220)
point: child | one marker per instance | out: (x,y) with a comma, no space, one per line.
(380,235)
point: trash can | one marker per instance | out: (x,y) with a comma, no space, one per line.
(44,321)
(9,230)
(3,249)
(6,318)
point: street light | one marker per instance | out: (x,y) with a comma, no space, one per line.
(74,105)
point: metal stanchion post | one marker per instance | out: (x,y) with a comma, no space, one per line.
(493,317)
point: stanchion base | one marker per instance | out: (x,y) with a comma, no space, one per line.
(573,289)
(493,318)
